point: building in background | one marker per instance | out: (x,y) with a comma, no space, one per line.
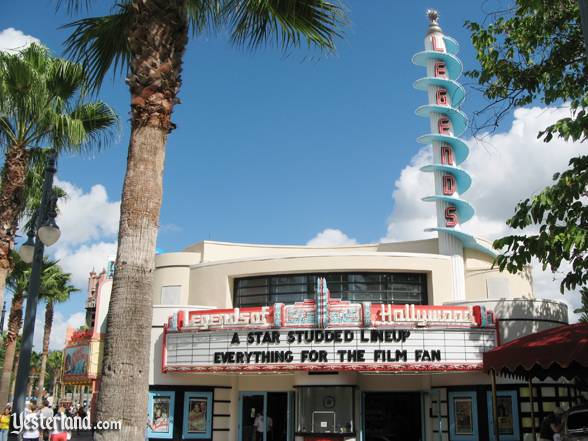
(82,354)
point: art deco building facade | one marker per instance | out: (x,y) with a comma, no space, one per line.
(375,342)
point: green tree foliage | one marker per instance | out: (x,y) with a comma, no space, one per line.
(583,310)
(534,52)
(54,365)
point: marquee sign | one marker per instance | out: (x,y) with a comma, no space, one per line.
(328,334)
(368,349)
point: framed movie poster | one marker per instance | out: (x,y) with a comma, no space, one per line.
(507,413)
(161,411)
(463,409)
(197,415)
(463,415)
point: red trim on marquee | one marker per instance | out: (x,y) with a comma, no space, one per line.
(164,348)
(348,367)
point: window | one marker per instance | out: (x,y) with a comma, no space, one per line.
(376,287)
(325,409)
(171,295)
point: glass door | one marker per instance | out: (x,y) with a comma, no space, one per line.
(252,422)
(265,416)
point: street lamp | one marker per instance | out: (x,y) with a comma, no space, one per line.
(49,232)
(44,232)
(27,249)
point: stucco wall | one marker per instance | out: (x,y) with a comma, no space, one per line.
(206,271)
(481,274)
(211,283)
(173,269)
(519,317)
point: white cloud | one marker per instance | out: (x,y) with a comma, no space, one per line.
(506,168)
(86,216)
(13,40)
(81,260)
(88,221)
(60,324)
(331,237)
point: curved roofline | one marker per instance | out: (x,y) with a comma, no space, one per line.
(305,256)
(263,245)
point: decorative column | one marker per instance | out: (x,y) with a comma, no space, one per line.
(447,123)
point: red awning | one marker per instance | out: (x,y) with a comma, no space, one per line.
(556,352)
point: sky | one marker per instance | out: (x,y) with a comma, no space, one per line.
(295,147)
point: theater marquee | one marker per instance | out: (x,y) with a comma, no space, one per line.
(327,335)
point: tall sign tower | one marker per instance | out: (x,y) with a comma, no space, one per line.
(448,123)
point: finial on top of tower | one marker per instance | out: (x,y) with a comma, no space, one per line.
(433,16)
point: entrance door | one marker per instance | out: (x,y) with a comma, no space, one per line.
(390,416)
(254,426)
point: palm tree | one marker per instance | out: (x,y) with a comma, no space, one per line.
(43,104)
(54,366)
(18,281)
(583,310)
(56,289)
(149,37)
(33,373)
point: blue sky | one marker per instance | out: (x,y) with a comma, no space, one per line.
(273,147)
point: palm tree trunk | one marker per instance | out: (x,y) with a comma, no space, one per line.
(12,201)
(14,371)
(45,353)
(14,325)
(158,40)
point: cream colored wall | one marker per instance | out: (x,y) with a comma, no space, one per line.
(217,251)
(94,359)
(206,270)
(428,246)
(173,269)
(102,306)
(519,317)
(211,283)
(479,269)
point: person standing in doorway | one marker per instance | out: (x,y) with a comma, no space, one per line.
(551,425)
(259,426)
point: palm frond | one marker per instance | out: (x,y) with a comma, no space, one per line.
(205,15)
(99,120)
(65,79)
(74,6)
(100,43)
(287,22)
